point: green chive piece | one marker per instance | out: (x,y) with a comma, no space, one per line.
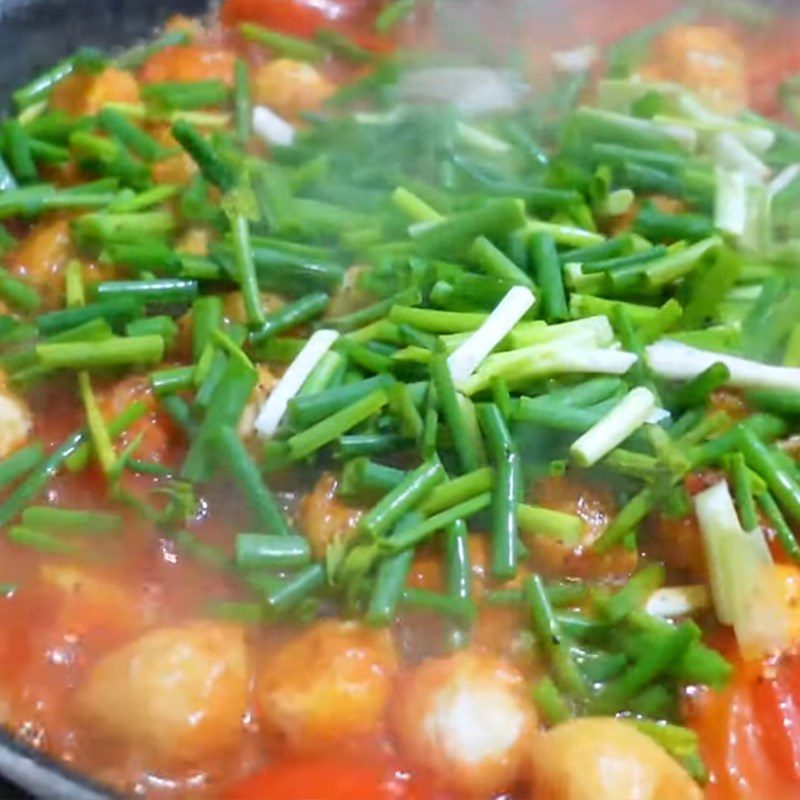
(539,521)
(78,460)
(551,280)
(267,514)
(438,522)
(242,102)
(214,169)
(282,44)
(40,540)
(246,273)
(225,406)
(101,439)
(453,413)
(506,491)
(263,550)
(19,463)
(39,478)
(303,444)
(552,639)
(113,352)
(136,56)
(290,316)
(403,498)
(780,481)
(49,518)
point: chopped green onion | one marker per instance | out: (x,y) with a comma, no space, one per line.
(214,169)
(257,550)
(625,418)
(64,519)
(290,316)
(19,463)
(101,439)
(461,609)
(271,414)
(552,640)
(539,521)
(405,497)
(40,540)
(328,430)
(137,56)
(419,533)
(184,95)
(282,43)
(246,273)
(225,406)
(548,272)
(266,512)
(116,351)
(506,491)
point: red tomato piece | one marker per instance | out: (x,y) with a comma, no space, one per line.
(303,18)
(328,778)
(298,17)
(772,65)
(750,732)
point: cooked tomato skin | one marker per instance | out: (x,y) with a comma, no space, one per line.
(304,18)
(779,61)
(329,778)
(750,732)
(298,17)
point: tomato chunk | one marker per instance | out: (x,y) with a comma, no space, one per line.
(769,66)
(299,17)
(329,778)
(304,17)
(750,732)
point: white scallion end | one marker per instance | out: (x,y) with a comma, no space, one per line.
(680,362)
(272,412)
(685,135)
(677,601)
(551,358)
(377,117)
(617,203)
(620,94)
(577,60)
(272,128)
(593,361)
(418,228)
(741,573)
(509,311)
(572,273)
(480,140)
(744,294)
(718,521)
(758,229)
(33,112)
(690,106)
(732,154)
(756,138)
(658,416)
(759,140)
(783,180)
(730,201)
(590,332)
(627,416)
